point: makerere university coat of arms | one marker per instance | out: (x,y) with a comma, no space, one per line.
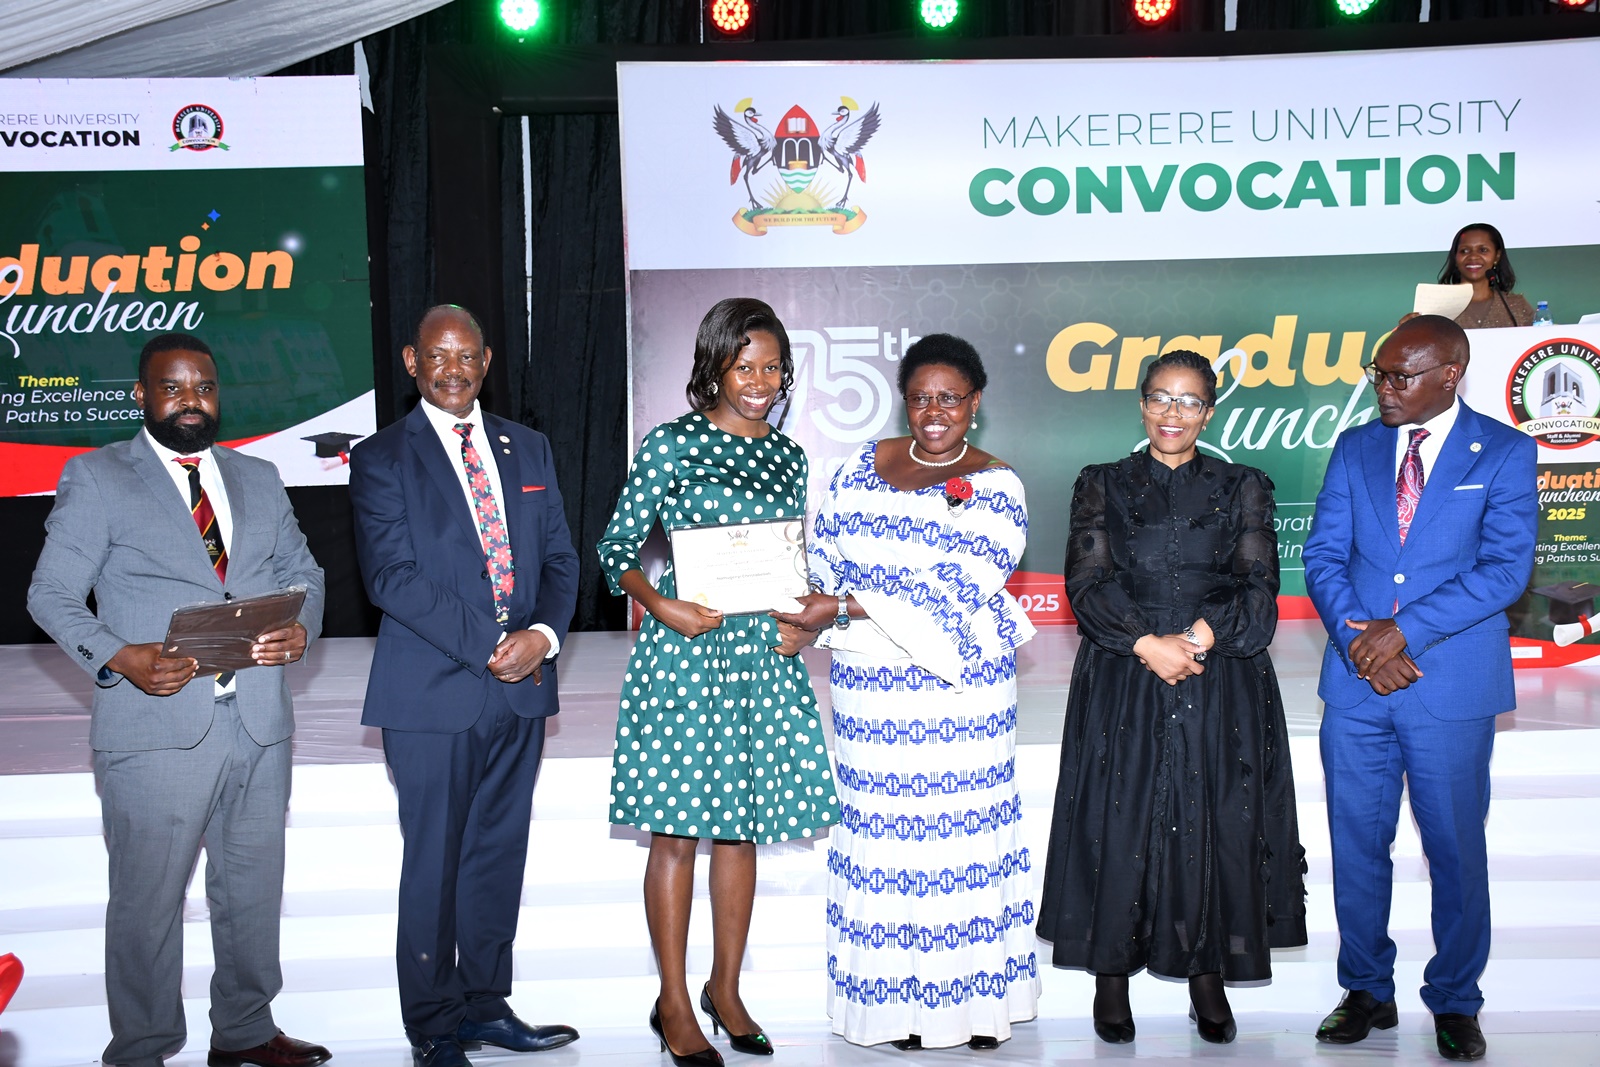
(804,190)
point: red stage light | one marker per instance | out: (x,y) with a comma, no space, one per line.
(1151,12)
(1574,3)
(730,16)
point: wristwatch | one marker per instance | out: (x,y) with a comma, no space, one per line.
(842,620)
(1194,638)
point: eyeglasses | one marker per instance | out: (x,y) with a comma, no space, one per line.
(1397,380)
(1189,407)
(918,401)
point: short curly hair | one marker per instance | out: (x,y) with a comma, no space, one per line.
(723,332)
(945,350)
(1182,357)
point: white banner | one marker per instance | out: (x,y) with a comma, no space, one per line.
(811,164)
(87,124)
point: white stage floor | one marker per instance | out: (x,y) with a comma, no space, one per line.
(582,952)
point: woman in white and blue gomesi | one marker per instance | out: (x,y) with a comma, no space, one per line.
(930,925)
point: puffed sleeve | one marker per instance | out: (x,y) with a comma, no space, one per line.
(1106,613)
(1243,610)
(651,479)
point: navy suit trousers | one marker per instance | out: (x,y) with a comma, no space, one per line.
(465,803)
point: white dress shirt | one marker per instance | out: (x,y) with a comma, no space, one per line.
(1438,429)
(444,424)
(216,493)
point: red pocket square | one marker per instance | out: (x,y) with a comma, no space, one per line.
(531,488)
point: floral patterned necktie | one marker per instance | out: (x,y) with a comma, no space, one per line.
(491,527)
(1408,486)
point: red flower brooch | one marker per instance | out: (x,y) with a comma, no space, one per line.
(957,491)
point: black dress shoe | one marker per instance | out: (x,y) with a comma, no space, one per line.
(1458,1036)
(439,1052)
(910,1043)
(1221,1033)
(706,1057)
(756,1044)
(281,1051)
(1357,1015)
(982,1043)
(514,1034)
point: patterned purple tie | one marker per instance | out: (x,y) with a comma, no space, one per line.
(1408,486)
(491,527)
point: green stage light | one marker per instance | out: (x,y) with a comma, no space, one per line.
(939,13)
(519,15)
(1352,8)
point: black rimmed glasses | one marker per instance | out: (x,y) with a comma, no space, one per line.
(1189,407)
(919,401)
(1396,379)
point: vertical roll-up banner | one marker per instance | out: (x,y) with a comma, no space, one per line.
(230,209)
(1074,219)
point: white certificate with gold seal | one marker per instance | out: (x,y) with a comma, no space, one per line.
(745,569)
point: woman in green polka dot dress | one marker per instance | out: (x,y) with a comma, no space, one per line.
(717,734)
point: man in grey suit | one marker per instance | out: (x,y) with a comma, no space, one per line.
(148,525)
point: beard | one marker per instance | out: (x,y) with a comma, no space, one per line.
(183,439)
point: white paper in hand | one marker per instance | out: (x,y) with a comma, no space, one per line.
(1446,300)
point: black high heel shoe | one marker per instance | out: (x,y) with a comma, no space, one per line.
(706,1057)
(1113,987)
(756,1044)
(1221,1033)
(1209,989)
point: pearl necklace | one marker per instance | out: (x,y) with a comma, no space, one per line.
(912,452)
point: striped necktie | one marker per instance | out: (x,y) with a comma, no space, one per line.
(205,518)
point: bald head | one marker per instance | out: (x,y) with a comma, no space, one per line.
(1436,335)
(454,313)
(1418,368)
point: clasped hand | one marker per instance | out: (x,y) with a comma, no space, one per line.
(1169,657)
(1379,655)
(521,655)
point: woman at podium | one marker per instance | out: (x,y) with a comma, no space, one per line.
(1478,256)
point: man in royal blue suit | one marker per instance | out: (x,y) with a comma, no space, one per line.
(1424,535)
(464,547)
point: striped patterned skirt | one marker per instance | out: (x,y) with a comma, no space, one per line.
(930,924)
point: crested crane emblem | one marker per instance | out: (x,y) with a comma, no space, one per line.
(810,172)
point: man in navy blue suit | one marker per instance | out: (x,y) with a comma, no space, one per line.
(464,547)
(1424,535)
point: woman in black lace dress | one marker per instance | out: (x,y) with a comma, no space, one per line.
(1174,844)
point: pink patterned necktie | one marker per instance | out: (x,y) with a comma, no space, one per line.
(1408,486)
(491,527)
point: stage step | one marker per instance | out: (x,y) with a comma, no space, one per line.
(583,952)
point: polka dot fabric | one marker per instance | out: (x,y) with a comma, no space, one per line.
(717,736)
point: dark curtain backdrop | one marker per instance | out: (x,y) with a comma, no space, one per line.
(445,199)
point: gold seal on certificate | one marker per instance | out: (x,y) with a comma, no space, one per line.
(744,569)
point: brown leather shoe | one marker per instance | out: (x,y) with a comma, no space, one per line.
(281,1051)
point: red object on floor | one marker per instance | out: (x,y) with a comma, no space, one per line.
(10,978)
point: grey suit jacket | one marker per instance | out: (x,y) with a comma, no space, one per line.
(121,529)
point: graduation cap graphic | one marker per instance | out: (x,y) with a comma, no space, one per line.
(1569,601)
(329,445)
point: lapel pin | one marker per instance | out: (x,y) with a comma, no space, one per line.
(1477,446)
